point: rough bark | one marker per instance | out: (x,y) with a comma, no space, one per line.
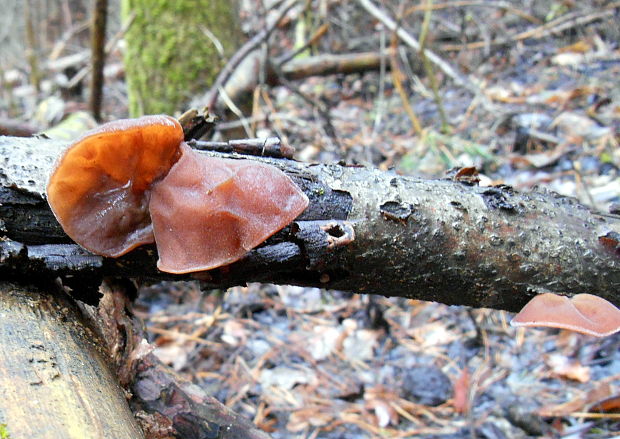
(55,380)
(365,231)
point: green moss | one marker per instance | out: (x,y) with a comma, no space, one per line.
(169,59)
(4,434)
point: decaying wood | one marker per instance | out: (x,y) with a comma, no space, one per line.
(165,404)
(365,231)
(55,380)
(246,77)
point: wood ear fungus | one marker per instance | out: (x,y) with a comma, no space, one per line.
(583,313)
(99,189)
(133,182)
(208,212)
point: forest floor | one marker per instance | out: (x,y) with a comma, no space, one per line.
(309,363)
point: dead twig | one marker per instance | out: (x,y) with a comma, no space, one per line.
(100,15)
(553,27)
(244,51)
(327,64)
(267,146)
(412,42)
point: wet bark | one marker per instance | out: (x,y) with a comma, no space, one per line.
(55,379)
(365,231)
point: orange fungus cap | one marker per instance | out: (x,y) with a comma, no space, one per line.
(100,188)
(585,313)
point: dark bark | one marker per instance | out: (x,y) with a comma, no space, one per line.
(365,231)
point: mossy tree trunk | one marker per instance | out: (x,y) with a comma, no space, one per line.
(170,56)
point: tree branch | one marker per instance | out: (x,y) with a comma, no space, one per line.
(461,80)
(100,14)
(365,231)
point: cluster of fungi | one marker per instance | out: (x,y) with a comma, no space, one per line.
(134,182)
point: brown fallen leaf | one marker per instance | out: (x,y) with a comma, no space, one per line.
(461,392)
(567,368)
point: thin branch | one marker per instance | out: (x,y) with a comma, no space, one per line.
(266,147)
(560,24)
(408,39)
(100,14)
(244,51)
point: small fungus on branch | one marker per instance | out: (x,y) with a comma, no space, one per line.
(583,313)
(134,182)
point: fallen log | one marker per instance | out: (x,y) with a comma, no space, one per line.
(58,380)
(365,231)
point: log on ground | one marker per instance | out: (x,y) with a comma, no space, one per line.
(365,231)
